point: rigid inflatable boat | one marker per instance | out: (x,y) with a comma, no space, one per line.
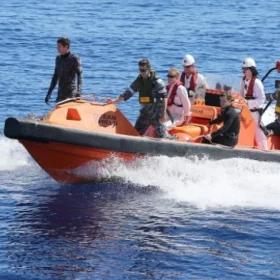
(78,131)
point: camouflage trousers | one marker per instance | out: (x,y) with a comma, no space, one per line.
(150,114)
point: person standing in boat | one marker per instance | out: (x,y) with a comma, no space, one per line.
(67,73)
(152,97)
(253,91)
(227,135)
(194,82)
(179,105)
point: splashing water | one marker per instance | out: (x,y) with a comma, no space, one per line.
(13,155)
(202,183)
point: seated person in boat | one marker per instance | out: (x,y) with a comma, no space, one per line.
(152,97)
(253,91)
(179,105)
(274,127)
(67,73)
(228,134)
(194,82)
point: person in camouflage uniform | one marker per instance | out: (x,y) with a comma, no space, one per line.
(152,97)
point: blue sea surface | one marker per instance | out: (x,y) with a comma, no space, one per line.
(159,218)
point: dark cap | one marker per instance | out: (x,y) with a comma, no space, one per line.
(144,63)
(65,42)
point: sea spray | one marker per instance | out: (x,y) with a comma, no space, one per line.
(203,183)
(13,155)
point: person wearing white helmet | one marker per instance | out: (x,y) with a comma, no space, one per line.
(253,91)
(193,81)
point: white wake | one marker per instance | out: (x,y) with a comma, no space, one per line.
(12,155)
(202,183)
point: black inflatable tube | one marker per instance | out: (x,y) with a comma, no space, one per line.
(39,132)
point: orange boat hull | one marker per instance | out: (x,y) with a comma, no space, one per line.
(59,160)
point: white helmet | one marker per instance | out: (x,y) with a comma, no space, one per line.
(248,62)
(188,60)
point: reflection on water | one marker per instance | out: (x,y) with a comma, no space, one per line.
(68,229)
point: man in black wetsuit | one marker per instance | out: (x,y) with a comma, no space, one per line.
(68,73)
(228,134)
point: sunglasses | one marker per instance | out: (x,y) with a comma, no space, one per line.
(143,70)
(171,76)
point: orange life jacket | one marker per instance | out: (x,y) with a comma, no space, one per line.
(250,90)
(172,95)
(192,81)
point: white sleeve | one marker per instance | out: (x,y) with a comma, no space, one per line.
(184,98)
(258,94)
(202,81)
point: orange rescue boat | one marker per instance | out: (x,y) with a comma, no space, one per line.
(77,132)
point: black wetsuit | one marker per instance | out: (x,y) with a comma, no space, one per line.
(228,134)
(68,74)
(275,127)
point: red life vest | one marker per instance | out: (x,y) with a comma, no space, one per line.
(192,81)
(172,95)
(250,90)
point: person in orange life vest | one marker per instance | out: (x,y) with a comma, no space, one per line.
(179,105)
(253,91)
(193,81)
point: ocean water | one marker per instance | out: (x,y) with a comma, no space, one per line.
(158,218)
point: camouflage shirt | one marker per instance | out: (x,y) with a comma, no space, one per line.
(150,89)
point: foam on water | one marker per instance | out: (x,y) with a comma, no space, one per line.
(202,183)
(12,154)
